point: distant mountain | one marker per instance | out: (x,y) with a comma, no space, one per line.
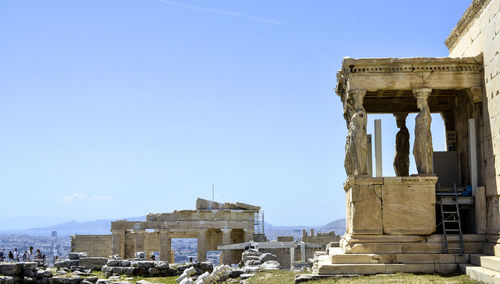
(338,226)
(97,227)
(103,227)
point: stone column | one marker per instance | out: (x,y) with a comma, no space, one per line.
(402,156)
(165,245)
(139,241)
(422,148)
(356,143)
(202,246)
(226,240)
(115,239)
(118,240)
(248,235)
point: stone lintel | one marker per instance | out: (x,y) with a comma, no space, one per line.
(196,215)
(405,74)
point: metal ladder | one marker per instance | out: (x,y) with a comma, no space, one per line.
(450,220)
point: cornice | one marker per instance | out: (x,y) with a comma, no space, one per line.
(465,22)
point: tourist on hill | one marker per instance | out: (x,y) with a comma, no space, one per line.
(38,254)
(11,256)
(31,254)
(2,255)
(16,255)
(25,256)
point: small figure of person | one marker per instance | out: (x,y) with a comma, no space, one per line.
(25,256)
(11,256)
(16,255)
(31,254)
(153,257)
(38,254)
(2,254)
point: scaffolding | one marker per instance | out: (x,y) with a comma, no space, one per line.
(258,221)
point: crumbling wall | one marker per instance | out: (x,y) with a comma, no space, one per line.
(320,238)
(93,245)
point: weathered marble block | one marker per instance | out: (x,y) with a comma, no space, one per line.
(391,205)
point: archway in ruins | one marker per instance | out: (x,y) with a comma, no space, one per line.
(184,249)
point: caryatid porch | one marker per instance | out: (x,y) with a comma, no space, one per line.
(404,205)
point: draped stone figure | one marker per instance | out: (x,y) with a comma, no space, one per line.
(402,156)
(356,147)
(422,148)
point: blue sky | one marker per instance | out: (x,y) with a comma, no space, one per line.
(117,108)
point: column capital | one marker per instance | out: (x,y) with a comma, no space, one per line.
(400,115)
(226,230)
(422,92)
(475,94)
(357,94)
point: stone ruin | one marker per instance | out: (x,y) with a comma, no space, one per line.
(212,223)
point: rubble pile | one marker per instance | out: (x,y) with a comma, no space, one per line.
(79,261)
(254,261)
(220,273)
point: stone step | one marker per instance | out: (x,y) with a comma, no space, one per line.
(365,269)
(406,248)
(491,262)
(398,258)
(482,274)
(475,259)
(334,251)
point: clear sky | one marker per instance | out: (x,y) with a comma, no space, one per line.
(117,108)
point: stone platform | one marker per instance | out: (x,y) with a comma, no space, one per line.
(484,268)
(381,254)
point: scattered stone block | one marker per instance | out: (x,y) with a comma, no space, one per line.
(94,263)
(76,255)
(11,269)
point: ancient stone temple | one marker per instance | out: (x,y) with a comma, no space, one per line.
(402,223)
(212,223)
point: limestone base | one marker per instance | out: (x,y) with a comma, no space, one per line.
(391,205)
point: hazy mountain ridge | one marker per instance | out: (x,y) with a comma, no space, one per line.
(103,226)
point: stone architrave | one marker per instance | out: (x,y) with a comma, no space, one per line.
(356,144)
(402,156)
(422,148)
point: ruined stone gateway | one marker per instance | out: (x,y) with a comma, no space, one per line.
(405,223)
(213,224)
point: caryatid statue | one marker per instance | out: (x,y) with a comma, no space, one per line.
(422,148)
(356,147)
(402,156)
